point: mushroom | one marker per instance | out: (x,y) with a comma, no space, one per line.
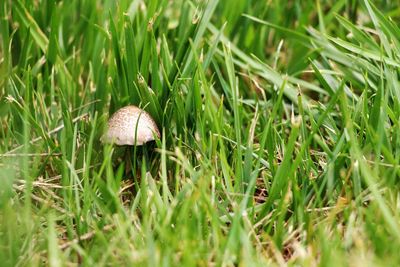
(130,125)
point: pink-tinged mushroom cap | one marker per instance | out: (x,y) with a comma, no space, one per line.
(122,128)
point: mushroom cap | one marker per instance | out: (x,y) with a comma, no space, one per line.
(122,128)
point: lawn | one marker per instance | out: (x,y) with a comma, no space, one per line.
(279,121)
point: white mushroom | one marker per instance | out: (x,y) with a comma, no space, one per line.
(122,128)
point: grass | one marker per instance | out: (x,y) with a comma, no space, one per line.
(280,133)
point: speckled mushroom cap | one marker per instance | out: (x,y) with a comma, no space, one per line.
(122,127)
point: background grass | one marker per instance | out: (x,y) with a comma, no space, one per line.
(280,133)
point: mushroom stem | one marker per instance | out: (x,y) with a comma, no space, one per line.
(128,163)
(136,173)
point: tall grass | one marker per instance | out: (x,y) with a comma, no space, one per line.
(280,133)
